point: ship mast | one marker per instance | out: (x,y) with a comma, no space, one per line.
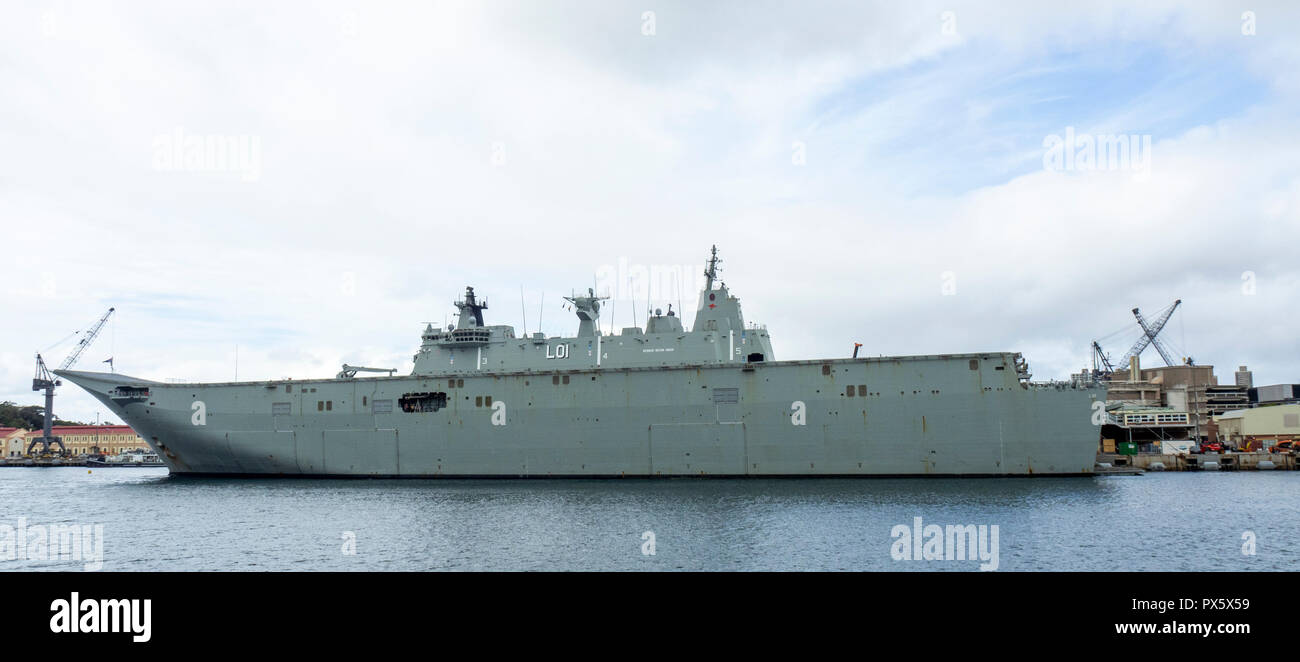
(711,271)
(470,310)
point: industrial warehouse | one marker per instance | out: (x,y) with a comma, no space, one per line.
(1179,417)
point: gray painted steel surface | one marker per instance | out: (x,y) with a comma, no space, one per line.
(659,401)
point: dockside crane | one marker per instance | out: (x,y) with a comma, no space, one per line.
(1149,333)
(1101,363)
(45,380)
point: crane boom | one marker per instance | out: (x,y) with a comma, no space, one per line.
(44,381)
(1099,359)
(85,341)
(350,371)
(1154,329)
(1149,332)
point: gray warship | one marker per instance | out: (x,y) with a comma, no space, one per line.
(662,400)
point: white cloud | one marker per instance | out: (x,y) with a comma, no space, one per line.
(378,127)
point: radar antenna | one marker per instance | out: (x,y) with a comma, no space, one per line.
(588,310)
(470,309)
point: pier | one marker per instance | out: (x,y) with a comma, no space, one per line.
(1229,461)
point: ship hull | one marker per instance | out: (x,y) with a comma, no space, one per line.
(947,415)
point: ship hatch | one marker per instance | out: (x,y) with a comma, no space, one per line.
(422,402)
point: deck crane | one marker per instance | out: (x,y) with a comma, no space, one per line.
(45,380)
(1149,333)
(350,371)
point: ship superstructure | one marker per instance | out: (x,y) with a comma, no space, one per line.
(719,335)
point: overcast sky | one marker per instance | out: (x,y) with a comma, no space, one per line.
(879,173)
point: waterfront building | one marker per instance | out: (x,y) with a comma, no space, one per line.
(93,439)
(12,441)
(1260,427)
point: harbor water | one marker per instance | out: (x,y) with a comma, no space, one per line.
(153,521)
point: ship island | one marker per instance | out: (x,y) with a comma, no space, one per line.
(655,401)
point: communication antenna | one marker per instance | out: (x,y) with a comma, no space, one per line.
(541,307)
(522,309)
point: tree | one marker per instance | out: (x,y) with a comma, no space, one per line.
(30,417)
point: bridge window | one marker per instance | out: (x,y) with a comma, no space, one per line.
(849,390)
(862,390)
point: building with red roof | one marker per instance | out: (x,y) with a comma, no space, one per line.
(92,439)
